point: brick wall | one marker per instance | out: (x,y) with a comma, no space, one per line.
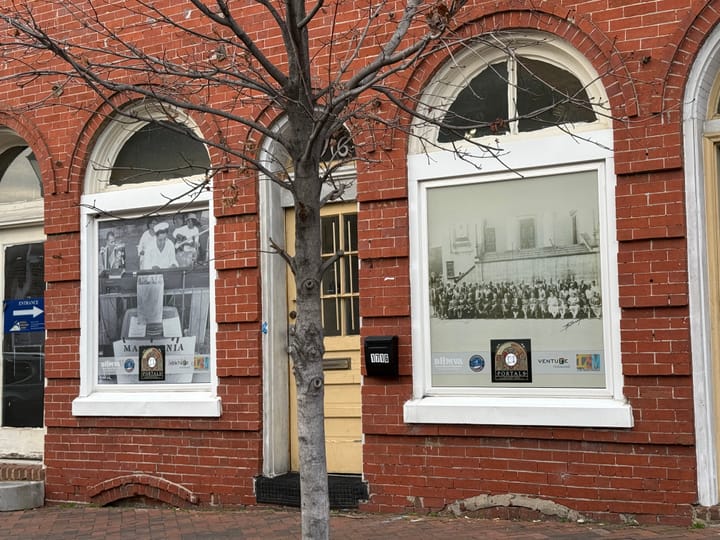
(643,51)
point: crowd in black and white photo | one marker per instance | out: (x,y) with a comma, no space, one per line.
(540,299)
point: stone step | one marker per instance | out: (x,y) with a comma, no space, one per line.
(21,495)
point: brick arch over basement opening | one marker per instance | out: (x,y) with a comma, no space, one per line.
(134,485)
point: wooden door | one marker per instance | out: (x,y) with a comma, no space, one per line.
(341,324)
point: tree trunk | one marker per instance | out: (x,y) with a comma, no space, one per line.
(307,353)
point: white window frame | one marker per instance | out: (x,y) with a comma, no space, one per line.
(534,154)
(134,200)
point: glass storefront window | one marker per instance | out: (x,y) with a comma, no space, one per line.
(23,343)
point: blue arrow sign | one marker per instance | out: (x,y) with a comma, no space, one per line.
(24,315)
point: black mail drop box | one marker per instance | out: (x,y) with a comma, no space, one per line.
(381,356)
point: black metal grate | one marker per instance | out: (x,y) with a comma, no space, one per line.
(346,490)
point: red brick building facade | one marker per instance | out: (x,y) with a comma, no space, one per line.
(618,416)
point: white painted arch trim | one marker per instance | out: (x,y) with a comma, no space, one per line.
(461,68)
(695,110)
(118,131)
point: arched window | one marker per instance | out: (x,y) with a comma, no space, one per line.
(516,95)
(510,84)
(21,189)
(513,239)
(147,259)
(701,144)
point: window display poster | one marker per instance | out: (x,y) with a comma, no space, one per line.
(522,305)
(154,299)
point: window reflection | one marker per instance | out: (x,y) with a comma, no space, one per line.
(19,176)
(159,151)
(515,96)
(23,343)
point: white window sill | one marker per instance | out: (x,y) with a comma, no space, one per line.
(170,404)
(531,411)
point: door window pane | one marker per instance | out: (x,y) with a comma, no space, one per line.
(340,283)
(331,317)
(330,234)
(329,281)
(350,271)
(352,316)
(351,232)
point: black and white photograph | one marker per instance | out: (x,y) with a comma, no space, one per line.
(154,292)
(516,257)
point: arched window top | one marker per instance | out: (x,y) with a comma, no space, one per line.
(21,189)
(143,145)
(159,151)
(514,96)
(511,83)
(19,175)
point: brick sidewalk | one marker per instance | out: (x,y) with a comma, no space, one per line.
(82,523)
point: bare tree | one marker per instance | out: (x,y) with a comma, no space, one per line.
(325,66)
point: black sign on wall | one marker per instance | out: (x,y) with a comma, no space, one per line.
(381,356)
